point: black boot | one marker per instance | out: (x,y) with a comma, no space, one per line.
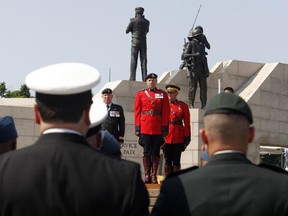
(167,170)
(176,168)
(147,169)
(155,163)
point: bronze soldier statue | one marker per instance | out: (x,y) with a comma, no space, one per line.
(204,44)
(139,27)
(195,60)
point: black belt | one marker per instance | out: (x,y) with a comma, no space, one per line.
(175,122)
(151,112)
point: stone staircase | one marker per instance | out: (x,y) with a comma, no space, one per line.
(153,191)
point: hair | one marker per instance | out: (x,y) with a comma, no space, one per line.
(229,129)
(229,89)
(66,114)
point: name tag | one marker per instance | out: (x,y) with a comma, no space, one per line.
(157,95)
(114,114)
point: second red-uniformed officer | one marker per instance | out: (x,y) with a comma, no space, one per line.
(179,135)
(151,124)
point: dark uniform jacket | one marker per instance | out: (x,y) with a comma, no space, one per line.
(61,175)
(228,184)
(115,122)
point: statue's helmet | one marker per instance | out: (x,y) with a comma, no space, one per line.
(200,28)
(190,34)
(194,33)
(139,10)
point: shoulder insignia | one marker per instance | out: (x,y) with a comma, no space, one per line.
(182,172)
(274,168)
(161,90)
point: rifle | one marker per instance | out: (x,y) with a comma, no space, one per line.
(185,62)
(196,17)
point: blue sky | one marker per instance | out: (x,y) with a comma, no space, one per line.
(38,33)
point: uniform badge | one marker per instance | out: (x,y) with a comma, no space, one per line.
(114,114)
(159,95)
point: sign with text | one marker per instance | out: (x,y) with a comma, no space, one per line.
(132,149)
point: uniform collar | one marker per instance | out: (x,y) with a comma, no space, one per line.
(61,130)
(173,102)
(228,151)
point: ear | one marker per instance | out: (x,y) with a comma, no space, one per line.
(36,114)
(86,116)
(203,135)
(251,134)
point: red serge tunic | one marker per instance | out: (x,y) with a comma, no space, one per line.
(179,124)
(151,111)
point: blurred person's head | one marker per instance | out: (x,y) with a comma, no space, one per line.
(228,90)
(63,95)
(227,124)
(99,139)
(8,134)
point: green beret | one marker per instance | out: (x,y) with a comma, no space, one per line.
(228,104)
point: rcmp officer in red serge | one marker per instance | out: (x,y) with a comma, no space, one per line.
(151,124)
(179,135)
(115,121)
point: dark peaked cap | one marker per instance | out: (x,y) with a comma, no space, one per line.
(107,91)
(228,104)
(151,75)
(139,9)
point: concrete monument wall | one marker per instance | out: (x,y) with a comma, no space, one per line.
(263,86)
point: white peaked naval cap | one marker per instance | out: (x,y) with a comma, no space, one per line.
(98,112)
(63,79)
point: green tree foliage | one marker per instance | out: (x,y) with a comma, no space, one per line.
(22,93)
(3,89)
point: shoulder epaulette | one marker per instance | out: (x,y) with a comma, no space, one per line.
(180,172)
(274,168)
(161,90)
